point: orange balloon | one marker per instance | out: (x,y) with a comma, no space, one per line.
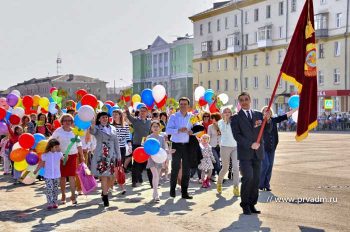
(36,99)
(19,154)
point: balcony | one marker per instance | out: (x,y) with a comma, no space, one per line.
(265,43)
(233,49)
(207,54)
(321,33)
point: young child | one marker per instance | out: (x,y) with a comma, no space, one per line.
(206,164)
(155,168)
(51,161)
(5,154)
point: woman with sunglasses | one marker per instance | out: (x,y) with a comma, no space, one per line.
(206,121)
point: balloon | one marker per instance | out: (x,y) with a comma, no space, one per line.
(162,102)
(136,105)
(36,99)
(202,102)
(126,98)
(14,119)
(81,92)
(140,105)
(106,108)
(146,97)
(136,98)
(27,101)
(16,146)
(16,92)
(56,124)
(140,155)
(295,116)
(109,103)
(80,123)
(293,101)
(2,113)
(3,103)
(158,93)
(3,128)
(31,168)
(18,111)
(70,104)
(86,113)
(18,154)
(52,108)
(52,89)
(28,177)
(151,146)
(32,158)
(37,138)
(64,111)
(41,172)
(12,99)
(208,95)
(116,107)
(199,92)
(20,166)
(90,100)
(40,148)
(26,140)
(223,98)
(213,108)
(44,102)
(160,157)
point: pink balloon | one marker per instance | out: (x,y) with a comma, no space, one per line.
(3,103)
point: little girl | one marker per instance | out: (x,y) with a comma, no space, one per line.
(51,161)
(155,168)
(206,164)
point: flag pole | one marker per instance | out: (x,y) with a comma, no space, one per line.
(268,108)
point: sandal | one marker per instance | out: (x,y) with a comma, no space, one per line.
(63,199)
(74,201)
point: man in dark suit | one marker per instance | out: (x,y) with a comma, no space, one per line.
(245,128)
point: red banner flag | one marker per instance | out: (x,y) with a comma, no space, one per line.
(299,68)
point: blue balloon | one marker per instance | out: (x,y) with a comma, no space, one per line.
(41,172)
(140,105)
(37,138)
(208,96)
(51,99)
(152,146)
(80,123)
(78,106)
(8,115)
(64,111)
(147,97)
(293,101)
(110,111)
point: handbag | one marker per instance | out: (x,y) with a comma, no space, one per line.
(119,173)
(88,182)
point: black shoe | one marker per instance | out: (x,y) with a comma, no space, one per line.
(133,185)
(261,189)
(172,193)
(254,210)
(246,210)
(186,196)
(268,189)
(105,200)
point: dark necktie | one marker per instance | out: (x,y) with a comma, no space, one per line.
(249,116)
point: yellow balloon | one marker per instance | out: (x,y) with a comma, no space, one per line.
(19,103)
(41,146)
(20,166)
(136,98)
(44,102)
(36,99)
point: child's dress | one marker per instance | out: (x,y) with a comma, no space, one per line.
(150,162)
(208,158)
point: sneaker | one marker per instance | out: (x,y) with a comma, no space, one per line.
(236,191)
(156,200)
(219,188)
(49,207)
(208,182)
(55,206)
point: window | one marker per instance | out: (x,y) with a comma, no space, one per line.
(320,78)
(209,66)
(280,84)
(255,59)
(267,101)
(235,21)
(255,103)
(268,11)
(246,17)
(166,57)
(267,81)
(235,63)
(321,21)
(256,36)
(236,84)
(201,29)
(336,76)
(245,61)
(166,71)
(256,82)
(226,23)
(281,32)
(225,64)
(154,60)
(217,84)
(200,68)
(267,58)
(280,8)
(246,40)
(154,72)
(265,33)
(218,25)
(323,2)
(218,64)
(320,51)
(160,58)
(219,45)
(337,48)
(256,15)
(338,20)
(209,27)
(279,60)
(201,83)
(226,43)
(293,6)
(209,84)
(246,83)
(226,85)
(160,71)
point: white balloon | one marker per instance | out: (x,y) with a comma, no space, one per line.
(18,111)
(295,116)
(52,108)
(136,104)
(130,109)
(223,98)
(160,157)
(158,93)
(31,168)
(16,92)
(199,92)
(16,146)
(28,178)
(86,113)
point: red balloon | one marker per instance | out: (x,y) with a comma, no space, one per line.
(127,98)
(202,102)
(109,102)
(56,123)
(213,108)
(26,140)
(81,92)
(2,113)
(162,102)
(140,155)
(14,119)
(150,107)
(52,89)
(27,101)
(90,100)
(44,111)
(70,105)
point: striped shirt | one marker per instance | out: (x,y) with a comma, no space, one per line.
(123,133)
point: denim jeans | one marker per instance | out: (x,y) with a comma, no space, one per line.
(266,169)
(217,165)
